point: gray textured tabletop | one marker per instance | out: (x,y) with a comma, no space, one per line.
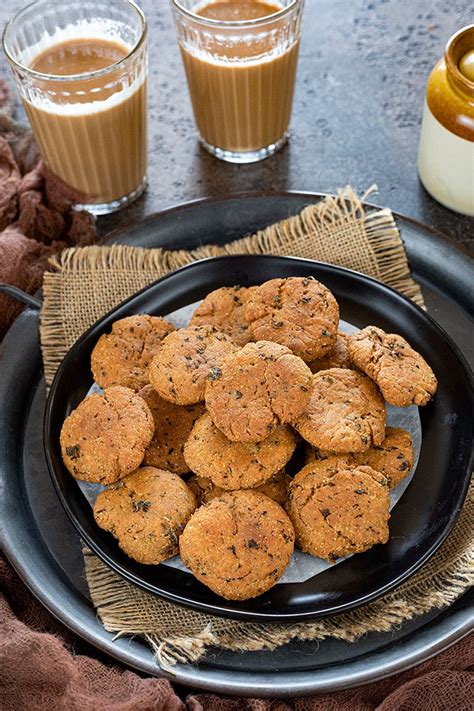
(356,119)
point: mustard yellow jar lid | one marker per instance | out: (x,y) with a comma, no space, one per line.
(450,90)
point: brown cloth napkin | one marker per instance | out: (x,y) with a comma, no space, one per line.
(43,667)
(36,215)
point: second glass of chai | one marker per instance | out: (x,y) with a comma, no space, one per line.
(80,68)
(240,59)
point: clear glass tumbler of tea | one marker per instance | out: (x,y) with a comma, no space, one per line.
(240,60)
(81,68)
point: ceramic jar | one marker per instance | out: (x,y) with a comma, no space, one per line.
(446,155)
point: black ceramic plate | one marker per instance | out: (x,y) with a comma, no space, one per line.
(420,521)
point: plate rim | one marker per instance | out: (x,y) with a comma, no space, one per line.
(212,608)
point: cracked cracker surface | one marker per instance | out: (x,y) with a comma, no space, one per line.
(337,357)
(402,374)
(345,413)
(393,457)
(257,388)
(238,544)
(122,357)
(179,370)
(147,512)
(236,465)
(297,312)
(105,437)
(338,511)
(173,425)
(224,309)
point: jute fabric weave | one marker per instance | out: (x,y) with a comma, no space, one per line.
(86,283)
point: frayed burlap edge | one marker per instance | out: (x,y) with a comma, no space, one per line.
(337,230)
(178,634)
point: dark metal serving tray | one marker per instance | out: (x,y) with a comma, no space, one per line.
(45,550)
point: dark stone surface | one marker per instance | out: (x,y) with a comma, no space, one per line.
(360,90)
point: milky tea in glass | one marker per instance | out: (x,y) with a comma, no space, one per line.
(80,68)
(240,59)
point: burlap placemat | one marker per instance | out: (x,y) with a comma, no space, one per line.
(85,283)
